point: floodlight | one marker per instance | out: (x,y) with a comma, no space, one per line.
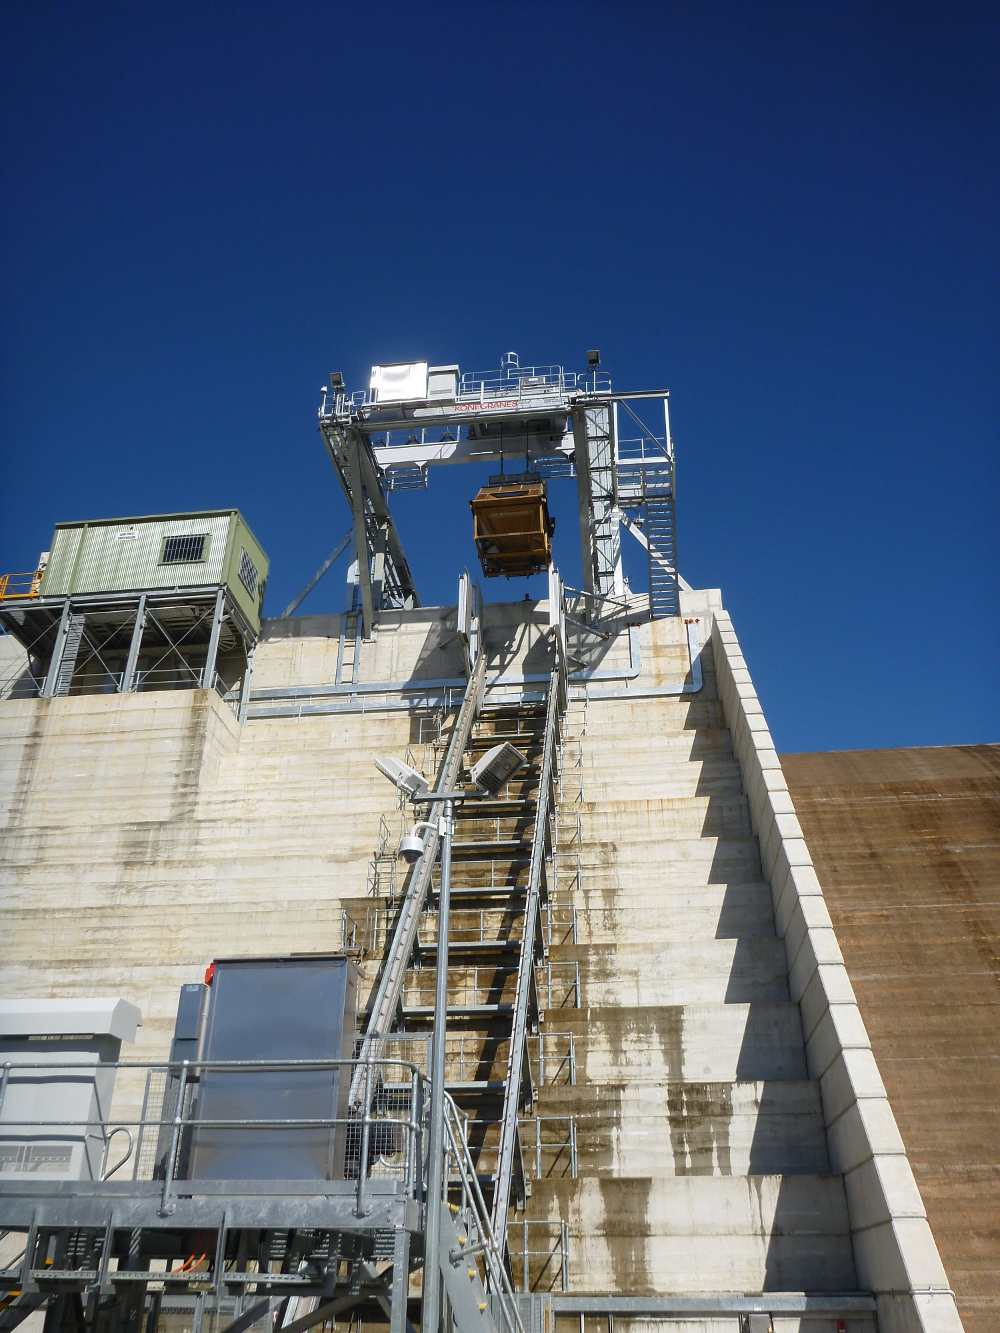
(496,767)
(336,379)
(407,779)
(593,358)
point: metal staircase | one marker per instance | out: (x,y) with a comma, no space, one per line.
(646,483)
(70,652)
(495,943)
(661,534)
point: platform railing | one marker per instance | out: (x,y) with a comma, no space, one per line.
(21,587)
(520,384)
(380,1138)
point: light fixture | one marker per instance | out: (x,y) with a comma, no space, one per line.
(404,777)
(497,767)
(336,379)
(593,358)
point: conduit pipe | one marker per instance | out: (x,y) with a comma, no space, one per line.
(433,696)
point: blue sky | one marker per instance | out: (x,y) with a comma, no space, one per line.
(786,214)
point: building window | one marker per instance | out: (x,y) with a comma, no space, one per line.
(188,550)
(248,573)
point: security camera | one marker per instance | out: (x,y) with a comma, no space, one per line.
(496,767)
(411,848)
(411,845)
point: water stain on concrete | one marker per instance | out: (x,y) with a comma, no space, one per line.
(700,1118)
(626,1229)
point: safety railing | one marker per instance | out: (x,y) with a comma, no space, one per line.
(482,1247)
(549,1143)
(561,924)
(527,380)
(168,678)
(567,876)
(563,984)
(472,987)
(474,1059)
(471,925)
(364,933)
(571,772)
(644,449)
(553,1058)
(171,1128)
(568,829)
(539,1254)
(21,587)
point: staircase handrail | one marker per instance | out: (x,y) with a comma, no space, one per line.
(498,1280)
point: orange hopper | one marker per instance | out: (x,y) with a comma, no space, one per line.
(512,529)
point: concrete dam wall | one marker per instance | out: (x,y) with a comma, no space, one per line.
(730,1133)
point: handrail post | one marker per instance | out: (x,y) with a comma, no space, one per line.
(431,1309)
(413,1129)
(366,1122)
(4,1080)
(166,1208)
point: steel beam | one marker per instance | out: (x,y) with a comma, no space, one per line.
(330,560)
(440,453)
(128,676)
(785,1303)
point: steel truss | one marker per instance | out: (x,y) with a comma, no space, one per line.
(537,418)
(595,454)
(123,642)
(385,577)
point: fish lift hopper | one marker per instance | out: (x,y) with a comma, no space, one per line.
(512,526)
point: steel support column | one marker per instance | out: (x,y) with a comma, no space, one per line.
(360,533)
(128,677)
(245,688)
(213,643)
(594,454)
(400,1281)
